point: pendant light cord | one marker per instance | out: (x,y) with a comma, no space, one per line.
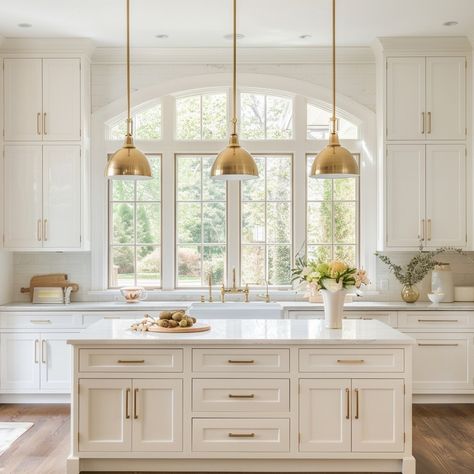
(333,119)
(234,71)
(129,118)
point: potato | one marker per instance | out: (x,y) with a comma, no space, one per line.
(164,323)
(183,323)
(177,316)
(166,315)
(172,323)
(190,321)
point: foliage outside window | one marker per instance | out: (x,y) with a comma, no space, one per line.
(135,230)
(200,222)
(201,117)
(265,117)
(266,222)
(317,125)
(146,124)
(332,218)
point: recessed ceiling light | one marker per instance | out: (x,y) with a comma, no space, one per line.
(450,23)
(238,35)
(162,36)
(25,25)
(303,37)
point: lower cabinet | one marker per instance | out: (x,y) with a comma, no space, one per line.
(351,415)
(130,415)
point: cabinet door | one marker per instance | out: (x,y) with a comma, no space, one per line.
(378,415)
(446,197)
(325,419)
(446,98)
(56,363)
(157,415)
(404,195)
(405,100)
(19,362)
(23,99)
(61,99)
(62,196)
(23,197)
(105,422)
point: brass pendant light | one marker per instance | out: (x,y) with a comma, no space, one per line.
(128,162)
(334,161)
(234,162)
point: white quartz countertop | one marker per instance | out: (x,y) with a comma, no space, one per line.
(246,332)
(285,305)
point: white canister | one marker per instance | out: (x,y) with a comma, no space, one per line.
(442,282)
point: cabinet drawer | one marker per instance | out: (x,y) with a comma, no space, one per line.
(241,435)
(126,360)
(241,395)
(351,360)
(306,314)
(389,317)
(41,321)
(435,319)
(241,360)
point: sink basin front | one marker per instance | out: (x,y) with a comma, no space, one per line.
(236,310)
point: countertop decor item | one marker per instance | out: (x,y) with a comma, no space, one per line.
(332,280)
(234,162)
(464,293)
(170,321)
(133,294)
(442,281)
(59,280)
(334,161)
(436,298)
(128,162)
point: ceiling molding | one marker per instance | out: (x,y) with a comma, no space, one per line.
(422,44)
(47,46)
(306,55)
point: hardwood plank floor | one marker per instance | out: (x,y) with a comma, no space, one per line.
(443,439)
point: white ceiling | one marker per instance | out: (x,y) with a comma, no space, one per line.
(203,23)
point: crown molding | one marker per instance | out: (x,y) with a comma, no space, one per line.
(306,55)
(47,46)
(422,44)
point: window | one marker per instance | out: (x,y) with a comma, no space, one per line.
(265,117)
(146,124)
(201,117)
(135,230)
(266,222)
(317,125)
(200,222)
(332,218)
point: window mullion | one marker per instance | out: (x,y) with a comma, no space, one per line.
(233,230)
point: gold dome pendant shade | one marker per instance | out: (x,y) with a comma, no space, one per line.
(334,161)
(128,162)
(234,163)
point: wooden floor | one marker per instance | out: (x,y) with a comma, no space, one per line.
(443,439)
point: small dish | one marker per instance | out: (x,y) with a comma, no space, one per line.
(436,298)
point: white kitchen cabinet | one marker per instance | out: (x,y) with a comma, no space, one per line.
(42,99)
(378,415)
(43,194)
(426,98)
(55,363)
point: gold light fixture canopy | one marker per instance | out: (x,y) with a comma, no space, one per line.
(234,163)
(334,161)
(128,162)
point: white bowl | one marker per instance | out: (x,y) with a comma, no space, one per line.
(436,298)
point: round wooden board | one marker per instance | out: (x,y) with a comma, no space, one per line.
(197,327)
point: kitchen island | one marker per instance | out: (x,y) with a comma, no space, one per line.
(248,395)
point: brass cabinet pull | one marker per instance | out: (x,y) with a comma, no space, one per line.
(40,321)
(357,403)
(135,396)
(44,349)
(45,229)
(422,233)
(348,401)
(241,435)
(437,345)
(120,361)
(429,122)
(438,321)
(250,395)
(250,361)
(358,317)
(36,350)
(44,124)
(38,230)
(38,128)
(111,317)
(422,123)
(127,401)
(350,361)
(429,229)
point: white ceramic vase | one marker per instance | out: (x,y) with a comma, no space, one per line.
(333,307)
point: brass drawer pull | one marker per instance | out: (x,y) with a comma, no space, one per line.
(127,401)
(436,345)
(350,361)
(40,321)
(44,350)
(422,123)
(135,396)
(36,350)
(44,124)
(357,403)
(38,230)
(438,320)
(429,122)
(348,398)
(232,361)
(45,229)
(241,435)
(131,361)
(38,129)
(250,395)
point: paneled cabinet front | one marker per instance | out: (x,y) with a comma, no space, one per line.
(42,197)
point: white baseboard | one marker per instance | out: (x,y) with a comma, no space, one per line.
(35,398)
(443,398)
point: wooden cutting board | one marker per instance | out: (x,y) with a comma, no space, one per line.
(50,280)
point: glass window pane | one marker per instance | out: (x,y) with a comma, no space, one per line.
(279,264)
(253,222)
(346,253)
(214,262)
(320,253)
(214,116)
(253,264)
(123,224)
(189,265)
(122,271)
(345,222)
(319,222)
(279,117)
(148,266)
(279,175)
(188,222)
(278,223)
(188,178)
(146,124)
(214,222)
(150,189)
(188,118)
(252,116)
(318,125)
(344,189)
(211,190)
(254,189)
(148,223)
(318,189)
(122,190)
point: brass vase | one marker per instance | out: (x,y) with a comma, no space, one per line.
(410,293)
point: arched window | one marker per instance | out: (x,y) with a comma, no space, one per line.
(317,125)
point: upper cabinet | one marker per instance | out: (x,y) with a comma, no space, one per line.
(426,98)
(42,99)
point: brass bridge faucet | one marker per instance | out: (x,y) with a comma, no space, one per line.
(234,289)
